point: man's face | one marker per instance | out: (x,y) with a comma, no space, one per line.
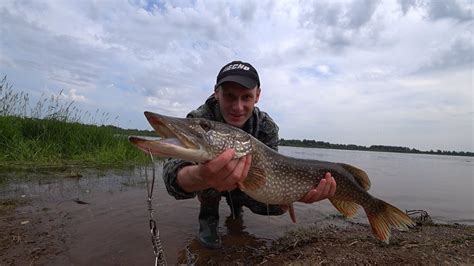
(236,102)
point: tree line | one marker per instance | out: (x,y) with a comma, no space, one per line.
(383,148)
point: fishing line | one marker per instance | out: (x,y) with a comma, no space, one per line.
(231,205)
(155,233)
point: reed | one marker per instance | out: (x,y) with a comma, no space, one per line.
(55,131)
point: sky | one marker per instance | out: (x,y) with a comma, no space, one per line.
(361,72)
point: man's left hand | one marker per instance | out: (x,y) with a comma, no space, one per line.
(325,189)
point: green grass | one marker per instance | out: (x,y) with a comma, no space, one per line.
(52,141)
(52,132)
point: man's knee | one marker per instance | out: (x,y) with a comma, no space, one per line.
(209,196)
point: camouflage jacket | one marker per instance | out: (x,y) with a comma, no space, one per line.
(260,125)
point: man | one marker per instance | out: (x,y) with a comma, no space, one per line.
(236,92)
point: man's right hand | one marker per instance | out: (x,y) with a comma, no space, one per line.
(222,173)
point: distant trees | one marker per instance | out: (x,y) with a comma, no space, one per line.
(382,148)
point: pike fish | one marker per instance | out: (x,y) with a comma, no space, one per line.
(272,178)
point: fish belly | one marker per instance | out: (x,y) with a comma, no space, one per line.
(280,191)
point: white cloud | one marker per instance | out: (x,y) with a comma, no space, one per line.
(73,96)
(363,72)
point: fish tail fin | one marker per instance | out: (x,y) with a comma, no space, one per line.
(383,216)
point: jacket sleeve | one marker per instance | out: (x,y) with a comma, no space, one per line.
(171,168)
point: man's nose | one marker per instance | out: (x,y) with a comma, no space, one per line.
(238,104)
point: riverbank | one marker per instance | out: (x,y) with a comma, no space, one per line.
(32,235)
(426,245)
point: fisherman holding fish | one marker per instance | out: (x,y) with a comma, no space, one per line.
(236,92)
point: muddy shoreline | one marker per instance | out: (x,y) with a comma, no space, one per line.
(41,236)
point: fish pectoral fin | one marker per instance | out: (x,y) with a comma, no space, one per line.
(360,175)
(347,208)
(291,211)
(256,178)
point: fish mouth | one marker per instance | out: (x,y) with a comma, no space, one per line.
(176,140)
(170,128)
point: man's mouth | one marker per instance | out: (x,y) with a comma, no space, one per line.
(236,116)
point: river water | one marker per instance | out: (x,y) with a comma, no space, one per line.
(113,227)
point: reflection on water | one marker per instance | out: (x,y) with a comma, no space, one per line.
(113,228)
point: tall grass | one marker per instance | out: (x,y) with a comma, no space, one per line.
(56,131)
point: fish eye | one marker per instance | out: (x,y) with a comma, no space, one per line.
(205,125)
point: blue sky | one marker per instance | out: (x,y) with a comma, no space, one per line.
(353,72)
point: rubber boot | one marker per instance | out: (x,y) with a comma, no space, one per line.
(208,223)
(233,199)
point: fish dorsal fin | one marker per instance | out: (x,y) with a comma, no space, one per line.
(256,178)
(347,208)
(359,175)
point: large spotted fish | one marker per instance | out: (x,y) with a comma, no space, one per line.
(273,178)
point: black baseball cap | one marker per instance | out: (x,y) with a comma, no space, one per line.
(239,72)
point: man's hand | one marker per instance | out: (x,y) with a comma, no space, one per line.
(325,189)
(222,173)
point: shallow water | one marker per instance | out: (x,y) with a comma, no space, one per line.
(113,227)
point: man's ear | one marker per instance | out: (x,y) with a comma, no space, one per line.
(216,90)
(257,95)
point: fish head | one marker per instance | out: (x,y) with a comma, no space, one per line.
(194,139)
